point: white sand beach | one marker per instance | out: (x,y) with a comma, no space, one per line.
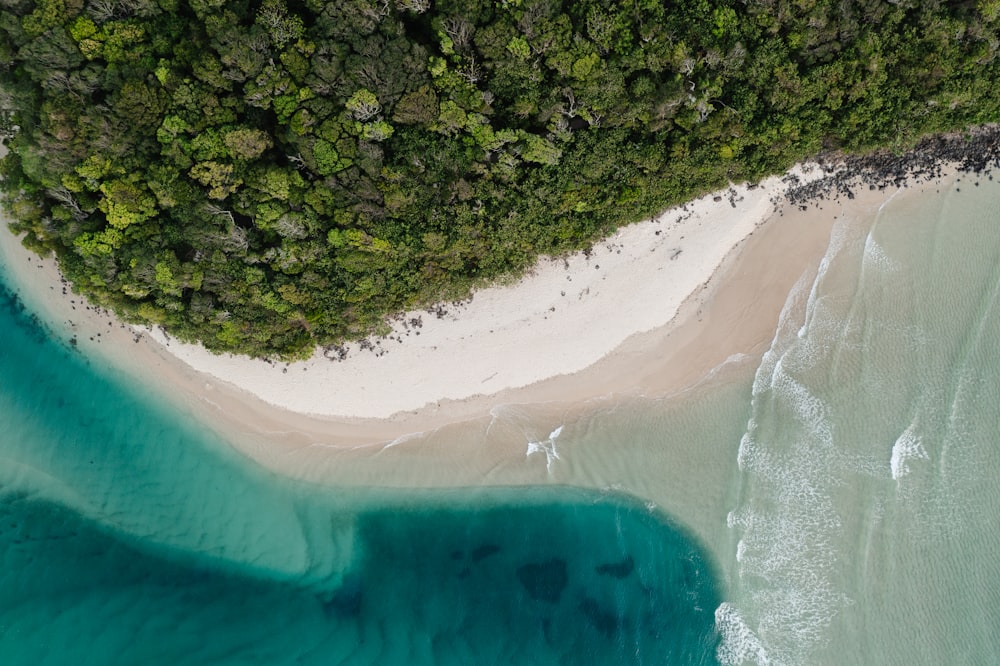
(650,311)
(563,317)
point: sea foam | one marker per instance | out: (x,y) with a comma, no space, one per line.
(738,644)
(788,523)
(907,447)
(546,446)
(875,255)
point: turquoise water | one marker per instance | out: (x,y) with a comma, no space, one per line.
(837,502)
(129,536)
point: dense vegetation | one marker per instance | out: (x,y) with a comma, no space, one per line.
(266,176)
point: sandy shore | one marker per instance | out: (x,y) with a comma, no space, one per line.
(562,318)
(649,312)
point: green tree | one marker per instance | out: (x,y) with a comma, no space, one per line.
(219,177)
(247,143)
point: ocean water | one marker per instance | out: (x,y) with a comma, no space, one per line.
(836,501)
(132,535)
(867,520)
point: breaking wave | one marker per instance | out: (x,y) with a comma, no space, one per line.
(787,521)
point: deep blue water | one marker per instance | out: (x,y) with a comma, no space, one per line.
(130,534)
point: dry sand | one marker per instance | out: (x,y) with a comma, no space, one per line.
(562,318)
(649,312)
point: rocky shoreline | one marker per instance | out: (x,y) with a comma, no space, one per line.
(974,151)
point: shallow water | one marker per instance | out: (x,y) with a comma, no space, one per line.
(836,502)
(131,536)
(869,501)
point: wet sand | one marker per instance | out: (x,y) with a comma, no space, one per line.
(728,320)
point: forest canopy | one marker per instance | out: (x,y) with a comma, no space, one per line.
(269,176)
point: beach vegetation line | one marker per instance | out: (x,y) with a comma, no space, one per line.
(266,177)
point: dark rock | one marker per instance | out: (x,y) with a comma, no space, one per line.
(484,551)
(617,569)
(973,152)
(544,581)
(602,620)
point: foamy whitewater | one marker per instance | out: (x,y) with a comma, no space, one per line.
(868,500)
(834,500)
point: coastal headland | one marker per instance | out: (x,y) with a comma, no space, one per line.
(650,311)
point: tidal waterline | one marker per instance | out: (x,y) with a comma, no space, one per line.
(131,534)
(844,489)
(867,519)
